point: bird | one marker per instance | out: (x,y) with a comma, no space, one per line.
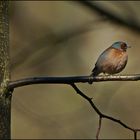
(112,60)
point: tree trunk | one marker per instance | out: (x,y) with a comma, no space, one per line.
(5,96)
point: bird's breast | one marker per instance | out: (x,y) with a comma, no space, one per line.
(113,61)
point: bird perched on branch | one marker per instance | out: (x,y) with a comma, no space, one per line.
(112,60)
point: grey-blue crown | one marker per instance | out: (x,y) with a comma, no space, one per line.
(118,44)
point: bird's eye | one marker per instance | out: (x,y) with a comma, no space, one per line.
(123,46)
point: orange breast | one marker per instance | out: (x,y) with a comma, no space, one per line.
(117,53)
(112,61)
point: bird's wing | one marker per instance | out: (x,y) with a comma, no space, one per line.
(102,58)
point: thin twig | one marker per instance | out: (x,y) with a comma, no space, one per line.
(135,135)
(99,128)
(72,79)
(78,91)
(87,98)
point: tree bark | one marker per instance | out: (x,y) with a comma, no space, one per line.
(5,96)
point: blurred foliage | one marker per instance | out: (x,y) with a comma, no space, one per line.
(65,39)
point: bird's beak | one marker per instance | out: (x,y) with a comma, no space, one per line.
(129,46)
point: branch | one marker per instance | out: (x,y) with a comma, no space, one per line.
(135,135)
(115,18)
(76,79)
(101,115)
(99,128)
(72,79)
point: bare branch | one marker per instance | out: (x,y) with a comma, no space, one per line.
(135,135)
(76,79)
(72,79)
(99,128)
(87,98)
(101,115)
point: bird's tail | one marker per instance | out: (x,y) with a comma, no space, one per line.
(94,73)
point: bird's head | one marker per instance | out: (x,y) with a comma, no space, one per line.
(120,45)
